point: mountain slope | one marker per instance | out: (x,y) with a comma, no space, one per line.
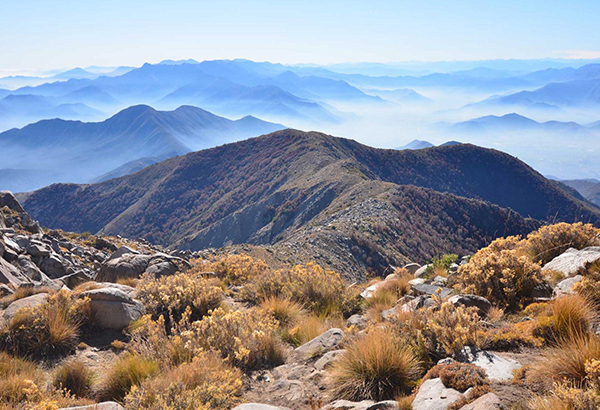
(78,151)
(516,122)
(588,188)
(267,189)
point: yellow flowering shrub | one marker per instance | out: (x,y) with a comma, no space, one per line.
(441,332)
(207,382)
(501,273)
(321,291)
(50,328)
(245,338)
(550,241)
(170,296)
(232,269)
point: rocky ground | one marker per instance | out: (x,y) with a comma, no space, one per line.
(35,262)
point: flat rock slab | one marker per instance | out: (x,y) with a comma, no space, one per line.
(565,287)
(496,367)
(433,395)
(349,405)
(107,405)
(320,344)
(572,261)
(488,401)
(429,289)
(258,406)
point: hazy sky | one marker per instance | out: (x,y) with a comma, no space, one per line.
(39,35)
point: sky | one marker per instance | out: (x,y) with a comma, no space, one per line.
(44,35)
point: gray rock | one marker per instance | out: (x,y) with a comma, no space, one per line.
(129,265)
(12,245)
(349,405)
(412,267)
(421,271)
(5,290)
(28,302)
(112,308)
(496,367)
(481,303)
(429,289)
(320,344)
(29,269)
(433,395)
(8,199)
(258,406)
(327,359)
(357,321)
(439,281)
(384,405)
(11,275)
(572,261)
(37,248)
(417,303)
(54,266)
(2,248)
(565,286)
(123,250)
(488,401)
(107,405)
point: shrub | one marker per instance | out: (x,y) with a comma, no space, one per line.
(321,291)
(440,265)
(205,383)
(377,366)
(459,376)
(441,332)
(247,338)
(73,377)
(128,371)
(566,361)
(550,241)
(48,329)
(19,379)
(170,296)
(232,269)
(501,274)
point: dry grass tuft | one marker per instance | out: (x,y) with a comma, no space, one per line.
(376,366)
(73,377)
(127,372)
(285,311)
(17,379)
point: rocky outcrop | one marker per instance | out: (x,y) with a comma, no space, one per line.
(133,265)
(574,261)
(482,304)
(565,286)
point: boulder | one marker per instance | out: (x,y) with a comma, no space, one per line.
(565,286)
(11,275)
(482,304)
(29,269)
(28,302)
(112,308)
(123,250)
(417,303)
(8,199)
(5,290)
(412,267)
(54,266)
(370,290)
(129,265)
(327,359)
(433,395)
(357,321)
(349,405)
(258,406)
(421,271)
(36,248)
(107,405)
(488,401)
(429,289)
(320,344)
(572,261)
(496,367)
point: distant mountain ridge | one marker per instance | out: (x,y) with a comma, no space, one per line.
(516,122)
(288,189)
(78,150)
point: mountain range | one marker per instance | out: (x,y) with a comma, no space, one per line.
(516,122)
(79,151)
(588,188)
(314,196)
